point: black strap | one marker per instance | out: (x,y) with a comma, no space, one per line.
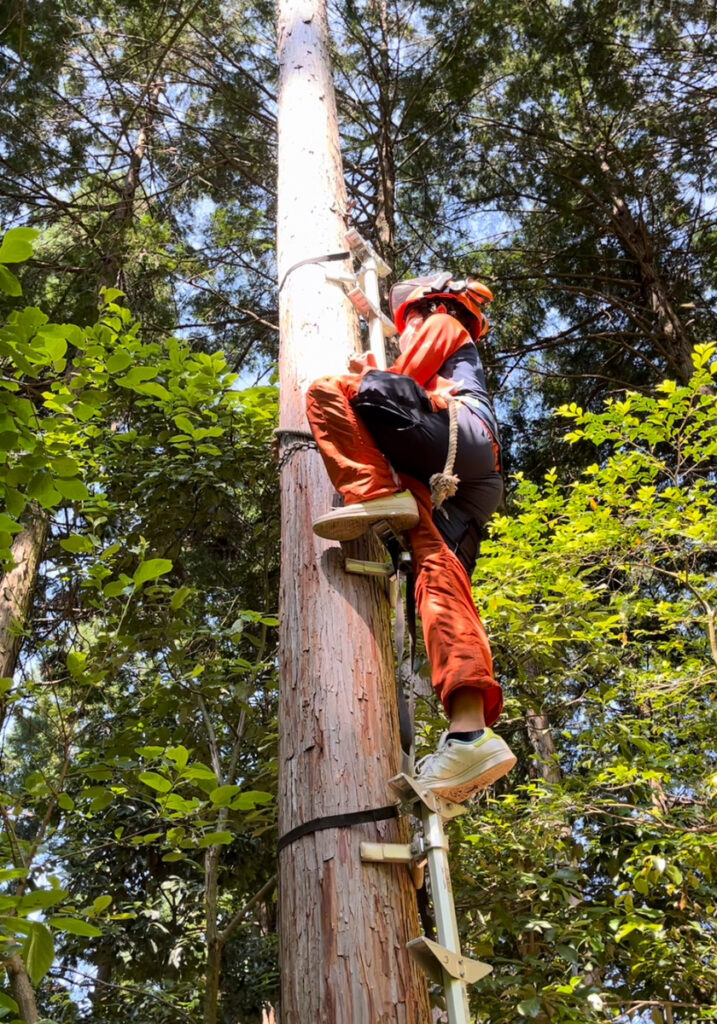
(336,821)
(411,616)
(330,258)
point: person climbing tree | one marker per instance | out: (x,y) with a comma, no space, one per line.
(418,445)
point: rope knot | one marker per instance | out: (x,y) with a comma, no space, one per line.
(443,486)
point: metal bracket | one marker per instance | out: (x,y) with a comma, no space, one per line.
(436,959)
(360,300)
(410,792)
(364,251)
(411,854)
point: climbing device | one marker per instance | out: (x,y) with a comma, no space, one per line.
(442,961)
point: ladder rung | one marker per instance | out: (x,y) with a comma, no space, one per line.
(360,568)
(435,959)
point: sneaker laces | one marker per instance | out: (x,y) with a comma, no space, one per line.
(425,762)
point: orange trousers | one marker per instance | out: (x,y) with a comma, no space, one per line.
(456,641)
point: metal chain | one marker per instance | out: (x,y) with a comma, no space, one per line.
(288,442)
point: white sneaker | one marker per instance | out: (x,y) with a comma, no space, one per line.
(399,510)
(460,768)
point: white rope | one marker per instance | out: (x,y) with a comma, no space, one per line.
(444,485)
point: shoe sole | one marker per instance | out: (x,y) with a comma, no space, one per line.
(496,767)
(347,524)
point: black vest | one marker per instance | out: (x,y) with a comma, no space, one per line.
(466,370)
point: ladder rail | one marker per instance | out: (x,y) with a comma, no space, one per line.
(436,849)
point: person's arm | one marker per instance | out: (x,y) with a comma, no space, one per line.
(435,340)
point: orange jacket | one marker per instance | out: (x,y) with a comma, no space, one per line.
(432,344)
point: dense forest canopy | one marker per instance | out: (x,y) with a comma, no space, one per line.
(562,150)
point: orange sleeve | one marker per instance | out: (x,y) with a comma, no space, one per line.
(435,340)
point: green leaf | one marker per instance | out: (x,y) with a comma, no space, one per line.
(8,1003)
(8,525)
(248,800)
(179,755)
(137,375)
(41,899)
(119,362)
(52,338)
(116,587)
(76,544)
(16,247)
(155,781)
(73,490)
(179,597)
(151,569)
(65,466)
(101,903)
(38,952)
(530,1007)
(216,839)
(75,927)
(102,800)
(198,771)
(184,423)
(66,802)
(222,795)
(76,663)
(175,802)
(153,389)
(9,283)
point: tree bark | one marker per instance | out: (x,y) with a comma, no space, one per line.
(123,213)
(386,177)
(541,740)
(16,593)
(214,944)
(22,990)
(342,925)
(633,234)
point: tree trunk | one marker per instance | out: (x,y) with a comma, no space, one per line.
(123,213)
(632,232)
(22,990)
(16,593)
(214,945)
(541,740)
(386,177)
(342,925)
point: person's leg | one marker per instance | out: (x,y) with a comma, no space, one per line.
(356,466)
(461,665)
(456,642)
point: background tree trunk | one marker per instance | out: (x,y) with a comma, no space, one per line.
(21,988)
(342,925)
(16,592)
